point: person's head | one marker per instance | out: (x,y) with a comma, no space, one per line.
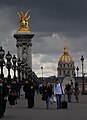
(26,82)
(48,84)
(57,81)
(14,82)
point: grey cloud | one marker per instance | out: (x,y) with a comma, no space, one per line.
(48,59)
(65,18)
(60,15)
(49,44)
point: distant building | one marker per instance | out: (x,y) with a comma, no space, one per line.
(65,65)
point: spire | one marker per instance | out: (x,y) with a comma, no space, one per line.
(65,48)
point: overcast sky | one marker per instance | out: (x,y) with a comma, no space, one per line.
(53,22)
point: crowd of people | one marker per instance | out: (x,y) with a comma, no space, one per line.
(11,92)
(8,92)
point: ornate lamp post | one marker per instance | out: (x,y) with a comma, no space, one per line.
(77,69)
(42,73)
(82,60)
(19,69)
(26,70)
(34,77)
(2,62)
(29,73)
(14,60)
(8,64)
(75,76)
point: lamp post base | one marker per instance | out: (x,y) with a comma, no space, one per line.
(2,75)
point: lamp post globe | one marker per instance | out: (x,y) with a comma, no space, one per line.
(77,69)
(14,66)
(2,62)
(29,73)
(8,64)
(8,56)
(82,60)
(19,68)
(42,73)
(2,53)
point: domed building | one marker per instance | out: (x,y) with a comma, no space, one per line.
(66,65)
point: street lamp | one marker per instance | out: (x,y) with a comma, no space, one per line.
(82,60)
(14,67)
(77,69)
(42,73)
(35,78)
(2,62)
(8,64)
(19,68)
(29,73)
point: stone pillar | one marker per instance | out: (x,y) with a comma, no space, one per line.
(24,46)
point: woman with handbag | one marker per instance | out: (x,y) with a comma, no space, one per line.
(48,93)
(13,94)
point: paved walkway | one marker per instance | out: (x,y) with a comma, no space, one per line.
(75,111)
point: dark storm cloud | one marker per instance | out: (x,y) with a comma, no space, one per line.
(57,15)
(66,16)
(53,22)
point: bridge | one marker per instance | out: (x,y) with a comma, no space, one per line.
(75,111)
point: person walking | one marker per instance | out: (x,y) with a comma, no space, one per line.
(48,91)
(68,91)
(58,91)
(3,97)
(76,92)
(13,94)
(29,90)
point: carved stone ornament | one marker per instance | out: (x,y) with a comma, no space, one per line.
(24,54)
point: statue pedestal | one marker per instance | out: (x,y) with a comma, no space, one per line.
(24,46)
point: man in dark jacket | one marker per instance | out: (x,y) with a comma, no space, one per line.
(68,91)
(29,90)
(3,97)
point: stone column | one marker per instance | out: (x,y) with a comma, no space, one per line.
(24,46)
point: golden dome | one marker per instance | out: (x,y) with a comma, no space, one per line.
(65,57)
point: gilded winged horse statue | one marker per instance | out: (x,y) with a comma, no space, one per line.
(23,17)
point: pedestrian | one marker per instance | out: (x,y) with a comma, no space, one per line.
(76,92)
(58,91)
(48,91)
(29,90)
(68,91)
(3,97)
(19,85)
(13,94)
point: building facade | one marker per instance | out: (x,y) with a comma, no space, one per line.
(65,65)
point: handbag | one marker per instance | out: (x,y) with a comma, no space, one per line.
(13,93)
(54,98)
(44,96)
(51,100)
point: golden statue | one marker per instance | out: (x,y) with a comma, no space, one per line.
(23,21)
